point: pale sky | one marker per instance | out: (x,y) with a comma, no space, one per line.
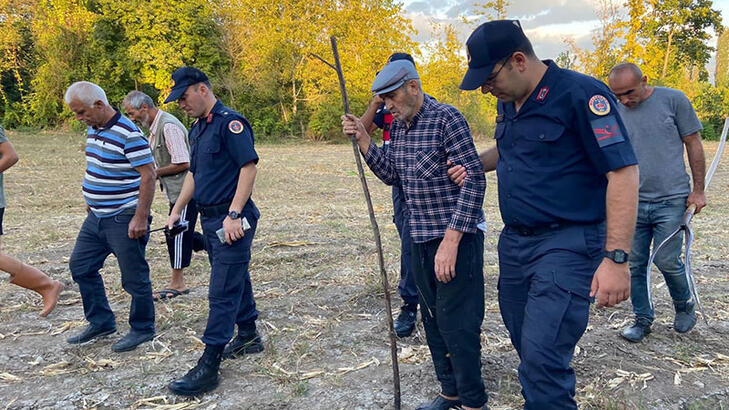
(546,22)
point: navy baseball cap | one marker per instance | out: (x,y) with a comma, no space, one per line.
(394,75)
(183,78)
(490,43)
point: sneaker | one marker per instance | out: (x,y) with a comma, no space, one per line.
(685,316)
(637,331)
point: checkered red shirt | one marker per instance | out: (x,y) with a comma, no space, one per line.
(417,159)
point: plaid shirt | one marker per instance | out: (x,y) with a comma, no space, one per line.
(417,159)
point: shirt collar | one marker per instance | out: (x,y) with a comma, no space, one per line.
(153,126)
(111,122)
(541,92)
(428,103)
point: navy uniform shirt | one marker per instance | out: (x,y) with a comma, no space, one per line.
(555,152)
(220,145)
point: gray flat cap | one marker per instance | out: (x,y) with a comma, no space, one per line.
(394,75)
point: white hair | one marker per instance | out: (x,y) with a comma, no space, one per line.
(135,99)
(86,92)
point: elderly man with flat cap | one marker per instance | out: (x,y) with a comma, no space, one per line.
(447,250)
(568,189)
(220,179)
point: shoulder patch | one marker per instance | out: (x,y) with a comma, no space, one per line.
(599,105)
(607,131)
(235,126)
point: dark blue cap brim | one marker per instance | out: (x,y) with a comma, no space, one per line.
(475,77)
(176,93)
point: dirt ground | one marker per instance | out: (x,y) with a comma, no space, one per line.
(322,315)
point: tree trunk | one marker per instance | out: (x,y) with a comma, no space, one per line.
(668,52)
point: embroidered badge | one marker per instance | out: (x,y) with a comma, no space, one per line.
(500,118)
(599,105)
(210,118)
(542,94)
(235,126)
(607,131)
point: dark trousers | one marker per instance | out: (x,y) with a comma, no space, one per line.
(544,286)
(180,247)
(452,314)
(98,238)
(406,286)
(230,295)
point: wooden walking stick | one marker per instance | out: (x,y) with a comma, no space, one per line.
(385,284)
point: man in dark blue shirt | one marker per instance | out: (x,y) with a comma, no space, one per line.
(377,116)
(568,185)
(222,171)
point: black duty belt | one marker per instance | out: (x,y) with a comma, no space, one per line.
(538,230)
(214,210)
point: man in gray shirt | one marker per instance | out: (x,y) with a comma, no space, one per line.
(660,122)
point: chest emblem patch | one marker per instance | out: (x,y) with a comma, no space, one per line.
(599,105)
(235,126)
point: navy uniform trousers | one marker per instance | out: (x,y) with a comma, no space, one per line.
(544,285)
(452,314)
(230,293)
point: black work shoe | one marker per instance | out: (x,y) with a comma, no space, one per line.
(201,378)
(198,242)
(685,316)
(405,322)
(440,403)
(132,340)
(90,333)
(243,345)
(637,331)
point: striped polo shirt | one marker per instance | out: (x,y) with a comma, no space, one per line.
(111,183)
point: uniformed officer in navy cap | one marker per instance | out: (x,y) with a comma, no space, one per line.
(222,172)
(568,189)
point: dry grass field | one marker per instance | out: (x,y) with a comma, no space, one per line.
(316,281)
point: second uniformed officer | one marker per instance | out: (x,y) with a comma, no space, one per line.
(568,189)
(222,172)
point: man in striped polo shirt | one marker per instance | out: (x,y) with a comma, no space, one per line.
(118,188)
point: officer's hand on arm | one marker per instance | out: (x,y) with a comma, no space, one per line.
(445,256)
(611,282)
(352,125)
(457,173)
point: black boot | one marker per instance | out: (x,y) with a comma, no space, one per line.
(405,322)
(248,341)
(685,316)
(201,378)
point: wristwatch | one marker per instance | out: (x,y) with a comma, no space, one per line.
(233,215)
(617,255)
